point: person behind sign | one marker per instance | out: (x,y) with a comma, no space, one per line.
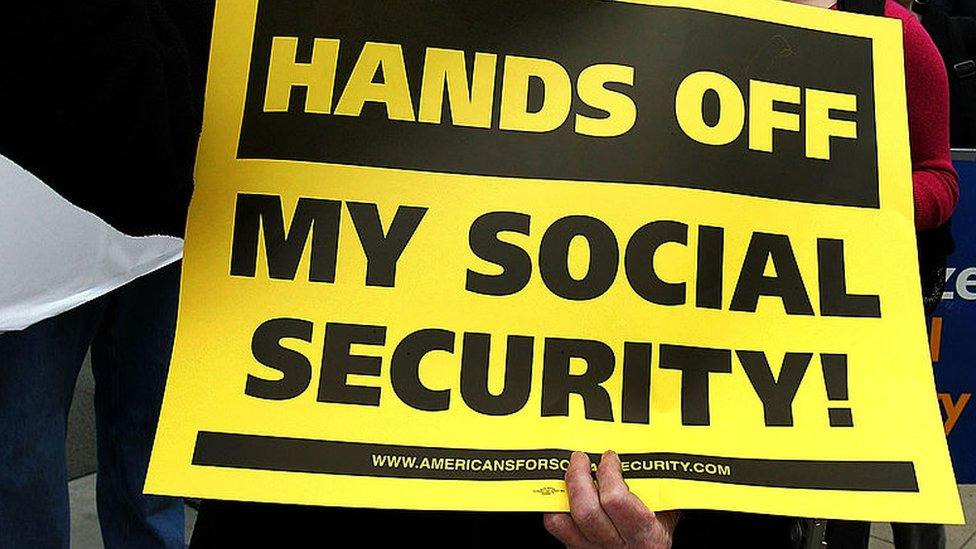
(605,514)
(97,102)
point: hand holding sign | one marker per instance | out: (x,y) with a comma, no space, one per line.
(606,513)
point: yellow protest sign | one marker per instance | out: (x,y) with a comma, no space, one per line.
(435,246)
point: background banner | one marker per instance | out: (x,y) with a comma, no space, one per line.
(951,329)
(436,246)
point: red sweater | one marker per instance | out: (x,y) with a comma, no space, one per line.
(933,177)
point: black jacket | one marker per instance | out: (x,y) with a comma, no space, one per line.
(952,26)
(102,100)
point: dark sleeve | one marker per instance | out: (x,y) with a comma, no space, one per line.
(193,20)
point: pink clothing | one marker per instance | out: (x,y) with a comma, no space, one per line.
(934,179)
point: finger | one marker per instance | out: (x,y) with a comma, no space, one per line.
(584,503)
(634,522)
(562,527)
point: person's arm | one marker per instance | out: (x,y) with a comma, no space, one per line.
(934,180)
(606,513)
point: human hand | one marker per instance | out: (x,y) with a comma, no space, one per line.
(605,513)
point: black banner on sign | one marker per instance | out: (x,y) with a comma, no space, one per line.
(395,461)
(575,35)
